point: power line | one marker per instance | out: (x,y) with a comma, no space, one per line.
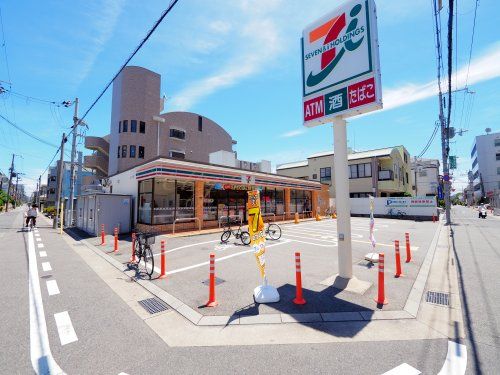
(471,42)
(27,132)
(150,32)
(431,139)
(32,98)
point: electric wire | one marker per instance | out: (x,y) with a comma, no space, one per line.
(150,32)
(27,132)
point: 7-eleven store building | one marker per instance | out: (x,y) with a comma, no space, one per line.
(189,194)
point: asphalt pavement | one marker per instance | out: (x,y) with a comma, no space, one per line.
(108,334)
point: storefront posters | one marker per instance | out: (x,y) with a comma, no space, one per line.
(256,230)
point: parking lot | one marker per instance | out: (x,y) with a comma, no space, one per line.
(187,264)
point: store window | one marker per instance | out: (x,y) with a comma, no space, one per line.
(184,199)
(133,126)
(164,201)
(132,151)
(268,201)
(142,127)
(125,126)
(210,199)
(141,152)
(118,156)
(124,151)
(300,201)
(280,202)
(145,201)
(176,133)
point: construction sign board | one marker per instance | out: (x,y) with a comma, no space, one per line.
(340,64)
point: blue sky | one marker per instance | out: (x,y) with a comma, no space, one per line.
(238,63)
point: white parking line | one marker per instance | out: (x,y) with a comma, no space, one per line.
(40,245)
(42,254)
(190,245)
(52,287)
(333,244)
(40,354)
(319,233)
(46,266)
(218,259)
(65,329)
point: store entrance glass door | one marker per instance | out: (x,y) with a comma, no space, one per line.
(237,203)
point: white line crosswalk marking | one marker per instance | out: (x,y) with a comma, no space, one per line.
(42,254)
(40,245)
(403,369)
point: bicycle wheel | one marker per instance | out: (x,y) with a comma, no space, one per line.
(274,231)
(225,236)
(245,238)
(149,262)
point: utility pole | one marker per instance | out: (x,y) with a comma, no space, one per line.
(416,185)
(11,170)
(15,191)
(39,184)
(60,176)
(72,167)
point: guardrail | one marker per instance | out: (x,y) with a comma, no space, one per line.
(186,219)
(229,218)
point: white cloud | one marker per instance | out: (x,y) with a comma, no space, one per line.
(220,27)
(293,133)
(482,68)
(103,18)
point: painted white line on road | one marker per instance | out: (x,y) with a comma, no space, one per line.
(190,245)
(40,354)
(333,244)
(456,359)
(403,369)
(218,259)
(37,234)
(319,233)
(52,287)
(38,239)
(40,245)
(42,254)
(66,331)
(402,246)
(46,266)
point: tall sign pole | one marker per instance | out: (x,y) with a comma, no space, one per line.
(341,79)
(72,167)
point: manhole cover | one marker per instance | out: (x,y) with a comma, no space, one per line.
(438,298)
(217,281)
(153,305)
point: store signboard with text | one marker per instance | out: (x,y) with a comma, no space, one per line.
(340,64)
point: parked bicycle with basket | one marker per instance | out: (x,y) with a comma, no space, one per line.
(144,253)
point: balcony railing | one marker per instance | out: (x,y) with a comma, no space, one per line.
(98,162)
(98,144)
(385,175)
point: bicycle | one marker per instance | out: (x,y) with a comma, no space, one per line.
(396,213)
(242,235)
(273,231)
(144,252)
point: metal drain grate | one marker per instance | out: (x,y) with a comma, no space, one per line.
(217,281)
(438,298)
(153,305)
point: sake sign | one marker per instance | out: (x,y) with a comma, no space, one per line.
(340,64)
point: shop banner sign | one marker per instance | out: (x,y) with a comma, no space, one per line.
(257,230)
(340,64)
(396,202)
(423,202)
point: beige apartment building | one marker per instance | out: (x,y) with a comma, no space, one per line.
(139,132)
(382,172)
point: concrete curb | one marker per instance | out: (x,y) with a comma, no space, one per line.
(415,297)
(409,312)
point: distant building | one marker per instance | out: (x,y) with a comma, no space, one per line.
(425,176)
(485,156)
(382,172)
(52,182)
